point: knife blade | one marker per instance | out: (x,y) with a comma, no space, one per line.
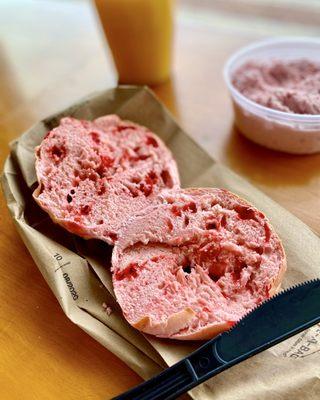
(273,321)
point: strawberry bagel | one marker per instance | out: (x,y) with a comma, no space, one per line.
(192,266)
(95,175)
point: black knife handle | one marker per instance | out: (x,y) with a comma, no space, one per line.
(181,377)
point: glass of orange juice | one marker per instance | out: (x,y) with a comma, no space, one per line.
(139,33)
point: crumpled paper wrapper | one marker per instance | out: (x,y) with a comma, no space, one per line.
(78,272)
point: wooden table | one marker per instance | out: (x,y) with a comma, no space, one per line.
(51,54)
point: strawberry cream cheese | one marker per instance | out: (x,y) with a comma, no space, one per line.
(290,86)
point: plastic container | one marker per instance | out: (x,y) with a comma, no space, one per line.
(277,130)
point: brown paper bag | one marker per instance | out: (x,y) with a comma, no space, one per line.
(78,272)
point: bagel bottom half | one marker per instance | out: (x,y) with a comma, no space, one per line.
(192,266)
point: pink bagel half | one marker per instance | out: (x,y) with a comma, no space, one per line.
(191,267)
(93,176)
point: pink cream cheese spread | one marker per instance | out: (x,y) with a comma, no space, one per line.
(289,86)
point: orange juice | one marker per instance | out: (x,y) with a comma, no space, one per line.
(139,33)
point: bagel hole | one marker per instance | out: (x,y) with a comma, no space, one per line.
(187,269)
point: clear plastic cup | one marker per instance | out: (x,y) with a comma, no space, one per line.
(277,130)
